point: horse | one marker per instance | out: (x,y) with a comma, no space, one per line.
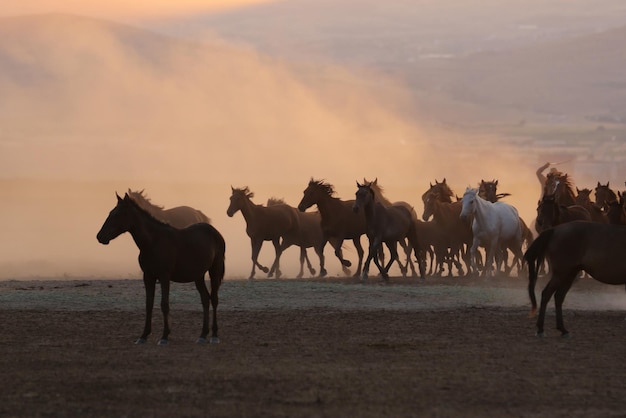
(494,226)
(309,235)
(339,222)
(604,195)
(385,224)
(616,213)
(179,216)
(263,224)
(583,199)
(169,254)
(488,191)
(456,233)
(551,213)
(560,185)
(439,191)
(380,197)
(595,248)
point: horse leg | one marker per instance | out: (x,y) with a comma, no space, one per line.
(393,249)
(204,299)
(408,249)
(308,263)
(546,294)
(276,264)
(319,250)
(150,285)
(360,252)
(339,254)
(559,297)
(216,273)
(256,248)
(302,258)
(371,254)
(165,309)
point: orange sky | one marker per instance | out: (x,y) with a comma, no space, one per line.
(120,9)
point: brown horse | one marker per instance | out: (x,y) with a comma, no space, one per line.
(551,213)
(264,224)
(457,233)
(309,235)
(339,222)
(168,254)
(385,224)
(380,197)
(583,199)
(604,195)
(561,186)
(616,213)
(597,249)
(179,216)
(488,190)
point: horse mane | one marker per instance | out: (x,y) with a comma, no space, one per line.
(441,190)
(272,201)
(145,212)
(324,186)
(142,200)
(562,178)
(245,191)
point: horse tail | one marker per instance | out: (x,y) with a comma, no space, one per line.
(534,256)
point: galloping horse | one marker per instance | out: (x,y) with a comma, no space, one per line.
(550,213)
(583,199)
(494,226)
(488,191)
(263,224)
(339,222)
(560,185)
(456,233)
(168,254)
(385,224)
(179,216)
(309,235)
(595,248)
(604,195)
(380,197)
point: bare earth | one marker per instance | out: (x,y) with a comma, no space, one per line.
(439,347)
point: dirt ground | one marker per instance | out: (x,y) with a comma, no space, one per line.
(312,348)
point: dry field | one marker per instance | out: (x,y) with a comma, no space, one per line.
(314,348)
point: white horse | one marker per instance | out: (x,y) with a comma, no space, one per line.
(495,226)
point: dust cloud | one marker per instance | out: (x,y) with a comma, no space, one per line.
(91,108)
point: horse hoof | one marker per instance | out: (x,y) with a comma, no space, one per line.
(163,341)
(265,269)
(214,340)
(140,341)
(323,273)
(201,340)
(312,271)
(346,263)
(566,335)
(540,334)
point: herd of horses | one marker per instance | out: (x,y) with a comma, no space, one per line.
(575,234)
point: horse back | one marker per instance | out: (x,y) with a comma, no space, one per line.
(196,250)
(184,216)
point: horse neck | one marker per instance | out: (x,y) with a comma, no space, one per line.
(566,196)
(328,205)
(249,210)
(445,211)
(144,229)
(481,208)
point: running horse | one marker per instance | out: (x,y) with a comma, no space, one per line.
(168,254)
(339,222)
(385,224)
(179,216)
(495,226)
(551,213)
(380,197)
(570,248)
(583,198)
(604,195)
(263,224)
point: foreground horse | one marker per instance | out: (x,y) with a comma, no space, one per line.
(263,224)
(595,248)
(179,216)
(385,224)
(495,226)
(168,254)
(551,213)
(339,222)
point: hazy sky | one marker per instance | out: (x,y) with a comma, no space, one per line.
(120,9)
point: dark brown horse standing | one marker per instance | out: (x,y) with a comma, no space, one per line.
(385,224)
(263,224)
(168,254)
(179,216)
(595,248)
(339,222)
(604,195)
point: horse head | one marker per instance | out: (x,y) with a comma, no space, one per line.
(238,199)
(469,200)
(119,220)
(315,191)
(364,196)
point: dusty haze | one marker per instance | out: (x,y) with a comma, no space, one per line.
(91,108)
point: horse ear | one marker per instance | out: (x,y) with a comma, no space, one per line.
(431,184)
(119,199)
(444,180)
(375,181)
(357,184)
(496,182)
(232,189)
